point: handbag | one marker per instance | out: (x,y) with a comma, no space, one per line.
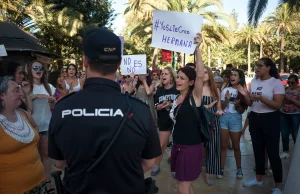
(206,120)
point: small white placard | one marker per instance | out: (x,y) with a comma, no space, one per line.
(3,52)
(175,31)
(136,64)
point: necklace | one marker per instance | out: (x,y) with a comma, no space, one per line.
(20,130)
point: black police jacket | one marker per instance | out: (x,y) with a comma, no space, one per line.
(84,123)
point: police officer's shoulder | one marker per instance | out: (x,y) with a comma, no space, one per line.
(65,97)
(138,101)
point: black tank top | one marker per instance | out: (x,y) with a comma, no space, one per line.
(186,130)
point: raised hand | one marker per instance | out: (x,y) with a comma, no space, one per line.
(26,87)
(51,99)
(242,90)
(142,77)
(198,39)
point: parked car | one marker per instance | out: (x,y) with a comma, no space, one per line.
(284,78)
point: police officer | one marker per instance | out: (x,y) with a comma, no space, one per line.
(84,124)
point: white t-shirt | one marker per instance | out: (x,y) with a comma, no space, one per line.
(230,106)
(41,108)
(267,88)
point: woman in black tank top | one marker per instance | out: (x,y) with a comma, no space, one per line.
(186,155)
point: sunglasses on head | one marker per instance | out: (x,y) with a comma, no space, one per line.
(290,82)
(35,68)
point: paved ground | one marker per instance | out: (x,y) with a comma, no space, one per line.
(229,184)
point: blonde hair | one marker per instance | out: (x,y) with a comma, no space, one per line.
(212,84)
(172,74)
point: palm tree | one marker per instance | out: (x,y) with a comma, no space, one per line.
(212,35)
(257,7)
(247,34)
(282,20)
(11,9)
(263,33)
(141,8)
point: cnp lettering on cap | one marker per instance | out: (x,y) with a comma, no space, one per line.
(101,112)
(109,49)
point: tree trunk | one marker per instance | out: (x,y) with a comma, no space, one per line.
(249,52)
(281,53)
(154,58)
(261,50)
(288,67)
(208,55)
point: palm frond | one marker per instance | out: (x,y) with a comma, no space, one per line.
(255,10)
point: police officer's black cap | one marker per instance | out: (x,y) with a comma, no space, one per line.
(98,43)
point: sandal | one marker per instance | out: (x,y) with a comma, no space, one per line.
(209,182)
(49,191)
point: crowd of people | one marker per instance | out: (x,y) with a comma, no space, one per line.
(29,96)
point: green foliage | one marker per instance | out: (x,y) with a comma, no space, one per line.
(59,24)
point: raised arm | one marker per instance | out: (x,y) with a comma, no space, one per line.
(197,92)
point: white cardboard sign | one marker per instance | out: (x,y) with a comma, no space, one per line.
(136,64)
(3,52)
(175,31)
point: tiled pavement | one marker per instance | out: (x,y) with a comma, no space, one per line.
(229,184)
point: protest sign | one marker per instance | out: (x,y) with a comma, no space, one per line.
(175,31)
(136,64)
(2,51)
(122,44)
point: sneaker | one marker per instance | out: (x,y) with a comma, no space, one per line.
(284,155)
(276,191)
(230,145)
(175,187)
(239,173)
(221,174)
(170,144)
(155,170)
(268,172)
(252,182)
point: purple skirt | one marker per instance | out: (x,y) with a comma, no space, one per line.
(186,162)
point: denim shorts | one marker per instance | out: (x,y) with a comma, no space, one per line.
(231,121)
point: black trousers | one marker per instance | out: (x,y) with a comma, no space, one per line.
(265,133)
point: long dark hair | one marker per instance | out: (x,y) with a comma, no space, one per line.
(148,80)
(243,84)
(273,70)
(44,80)
(190,73)
(73,65)
(9,68)
(52,78)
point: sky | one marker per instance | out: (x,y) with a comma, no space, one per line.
(240,7)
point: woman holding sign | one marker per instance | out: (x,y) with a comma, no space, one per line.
(186,155)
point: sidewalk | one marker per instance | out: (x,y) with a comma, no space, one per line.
(229,184)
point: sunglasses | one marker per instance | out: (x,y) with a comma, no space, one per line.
(126,76)
(35,68)
(259,66)
(291,83)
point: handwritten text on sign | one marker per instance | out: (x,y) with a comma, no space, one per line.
(175,31)
(136,64)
